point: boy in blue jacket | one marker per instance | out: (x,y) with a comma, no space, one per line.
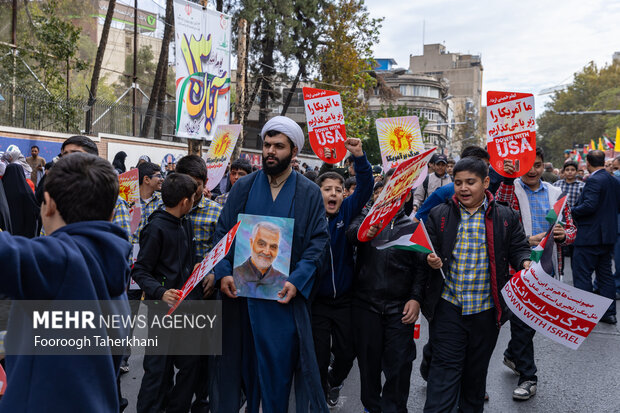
(331,308)
(85,257)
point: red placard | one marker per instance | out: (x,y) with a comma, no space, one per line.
(2,381)
(217,253)
(326,129)
(394,193)
(511,131)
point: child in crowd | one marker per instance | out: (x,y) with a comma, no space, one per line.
(84,257)
(387,293)
(331,309)
(532,198)
(164,263)
(475,239)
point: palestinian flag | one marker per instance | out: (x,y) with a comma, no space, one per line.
(608,143)
(543,252)
(554,215)
(411,237)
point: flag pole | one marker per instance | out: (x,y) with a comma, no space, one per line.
(431,244)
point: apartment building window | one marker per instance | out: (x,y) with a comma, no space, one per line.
(422,91)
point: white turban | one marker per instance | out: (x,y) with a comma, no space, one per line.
(288,127)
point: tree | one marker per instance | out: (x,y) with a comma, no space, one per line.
(346,59)
(159,83)
(593,88)
(94,82)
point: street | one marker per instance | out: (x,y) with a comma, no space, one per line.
(585,380)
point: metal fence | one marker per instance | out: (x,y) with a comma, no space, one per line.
(41,111)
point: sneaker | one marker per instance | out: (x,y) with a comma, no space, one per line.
(124,367)
(333,395)
(511,365)
(424,368)
(525,390)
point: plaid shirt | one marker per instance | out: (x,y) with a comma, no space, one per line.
(539,206)
(204,217)
(121,215)
(506,194)
(148,207)
(572,191)
(468,281)
(222,198)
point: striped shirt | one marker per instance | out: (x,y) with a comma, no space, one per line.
(468,280)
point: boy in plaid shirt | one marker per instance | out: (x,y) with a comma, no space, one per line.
(475,240)
(532,198)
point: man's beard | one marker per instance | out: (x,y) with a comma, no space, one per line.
(279,167)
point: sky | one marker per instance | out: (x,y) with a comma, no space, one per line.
(526,46)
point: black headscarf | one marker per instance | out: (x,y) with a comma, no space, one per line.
(20,199)
(119,162)
(5,216)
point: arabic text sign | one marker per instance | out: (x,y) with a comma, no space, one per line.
(558,311)
(216,255)
(326,129)
(511,131)
(394,193)
(220,151)
(202,44)
(400,138)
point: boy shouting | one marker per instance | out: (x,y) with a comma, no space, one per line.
(331,309)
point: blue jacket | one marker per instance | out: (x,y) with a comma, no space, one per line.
(80,261)
(596,211)
(336,271)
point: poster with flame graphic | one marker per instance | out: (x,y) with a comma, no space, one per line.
(220,151)
(129,190)
(399,139)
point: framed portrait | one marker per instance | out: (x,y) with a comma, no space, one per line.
(262,255)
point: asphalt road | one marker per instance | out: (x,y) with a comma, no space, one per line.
(583,380)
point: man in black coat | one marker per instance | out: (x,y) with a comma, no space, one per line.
(596,216)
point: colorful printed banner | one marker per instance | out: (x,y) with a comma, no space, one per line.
(394,193)
(213,257)
(326,129)
(511,131)
(399,139)
(129,190)
(558,311)
(220,151)
(202,49)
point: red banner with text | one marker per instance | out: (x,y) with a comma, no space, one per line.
(326,129)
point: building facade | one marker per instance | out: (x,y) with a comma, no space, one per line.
(463,75)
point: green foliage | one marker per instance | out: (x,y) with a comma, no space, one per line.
(371,142)
(593,88)
(345,59)
(145,69)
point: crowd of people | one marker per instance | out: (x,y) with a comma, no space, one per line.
(343,300)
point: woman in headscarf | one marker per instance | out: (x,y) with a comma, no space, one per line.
(20,199)
(119,162)
(5,216)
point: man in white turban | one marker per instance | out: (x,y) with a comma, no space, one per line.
(267,344)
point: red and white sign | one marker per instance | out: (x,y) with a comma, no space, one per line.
(2,381)
(326,129)
(213,257)
(511,131)
(394,193)
(558,311)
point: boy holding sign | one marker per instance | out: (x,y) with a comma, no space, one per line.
(164,263)
(533,199)
(475,239)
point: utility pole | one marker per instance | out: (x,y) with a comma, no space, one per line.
(135,67)
(241,89)
(194,146)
